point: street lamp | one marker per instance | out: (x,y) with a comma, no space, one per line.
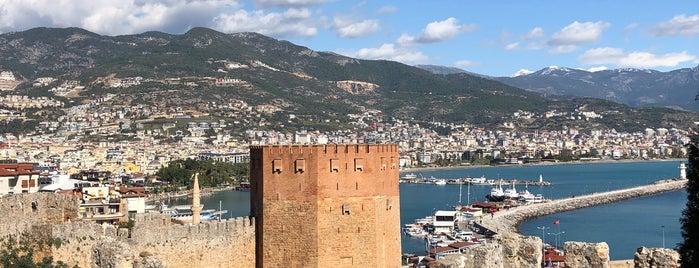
(556,235)
(543,237)
(663,227)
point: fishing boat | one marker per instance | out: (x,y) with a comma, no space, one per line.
(496,194)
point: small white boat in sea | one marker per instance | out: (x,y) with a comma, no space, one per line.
(440,182)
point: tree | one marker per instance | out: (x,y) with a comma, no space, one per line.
(689,247)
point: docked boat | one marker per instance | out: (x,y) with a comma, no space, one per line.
(496,194)
(440,181)
(511,193)
(480,181)
(529,198)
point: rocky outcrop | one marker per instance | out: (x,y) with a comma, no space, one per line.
(520,251)
(656,258)
(586,255)
(507,251)
(109,252)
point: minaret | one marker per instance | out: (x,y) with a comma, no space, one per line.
(196,202)
(683,171)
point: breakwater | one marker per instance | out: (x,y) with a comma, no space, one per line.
(508,220)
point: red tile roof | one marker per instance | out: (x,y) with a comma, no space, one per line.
(16,169)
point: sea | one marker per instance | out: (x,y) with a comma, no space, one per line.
(651,221)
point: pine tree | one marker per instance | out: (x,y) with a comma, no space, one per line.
(689,247)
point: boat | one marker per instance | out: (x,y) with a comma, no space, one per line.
(511,193)
(409,176)
(496,194)
(480,181)
(440,182)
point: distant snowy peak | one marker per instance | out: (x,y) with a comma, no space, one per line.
(521,72)
(553,70)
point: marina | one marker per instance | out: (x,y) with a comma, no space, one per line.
(568,180)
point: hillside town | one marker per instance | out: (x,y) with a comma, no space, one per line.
(140,139)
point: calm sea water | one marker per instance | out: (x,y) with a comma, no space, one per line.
(623,225)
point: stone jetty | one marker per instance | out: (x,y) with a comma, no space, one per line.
(508,220)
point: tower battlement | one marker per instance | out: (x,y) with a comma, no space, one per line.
(306,198)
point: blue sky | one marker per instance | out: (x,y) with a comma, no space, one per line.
(497,39)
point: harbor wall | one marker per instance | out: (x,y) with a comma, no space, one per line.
(51,223)
(509,220)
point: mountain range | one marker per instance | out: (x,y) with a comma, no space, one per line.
(318,87)
(635,87)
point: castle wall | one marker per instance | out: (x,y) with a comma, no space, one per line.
(24,210)
(228,243)
(326,206)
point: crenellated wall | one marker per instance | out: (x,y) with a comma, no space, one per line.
(226,243)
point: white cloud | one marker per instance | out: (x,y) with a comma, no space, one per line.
(465,63)
(579,33)
(512,46)
(636,59)
(535,33)
(291,23)
(437,31)
(575,34)
(678,25)
(350,29)
(387,10)
(171,16)
(287,3)
(389,52)
(111,17)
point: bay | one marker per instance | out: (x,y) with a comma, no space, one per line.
(623,225)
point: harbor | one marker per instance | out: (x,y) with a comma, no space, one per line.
(474,181)
(452,232)
(574,187)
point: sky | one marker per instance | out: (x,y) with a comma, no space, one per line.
(495,38)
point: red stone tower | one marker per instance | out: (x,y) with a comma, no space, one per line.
(326,205)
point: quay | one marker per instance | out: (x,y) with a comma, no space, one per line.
(508,220)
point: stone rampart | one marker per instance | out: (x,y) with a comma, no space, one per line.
(153,238)
(225,243)
(24,210)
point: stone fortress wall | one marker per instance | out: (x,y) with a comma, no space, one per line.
(153,240)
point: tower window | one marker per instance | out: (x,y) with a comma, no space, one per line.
(300,165)
(334,165)
(358,164)
(345,209)
(277,166)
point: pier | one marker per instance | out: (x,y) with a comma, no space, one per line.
(508,220)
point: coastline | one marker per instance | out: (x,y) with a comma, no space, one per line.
(601,161)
